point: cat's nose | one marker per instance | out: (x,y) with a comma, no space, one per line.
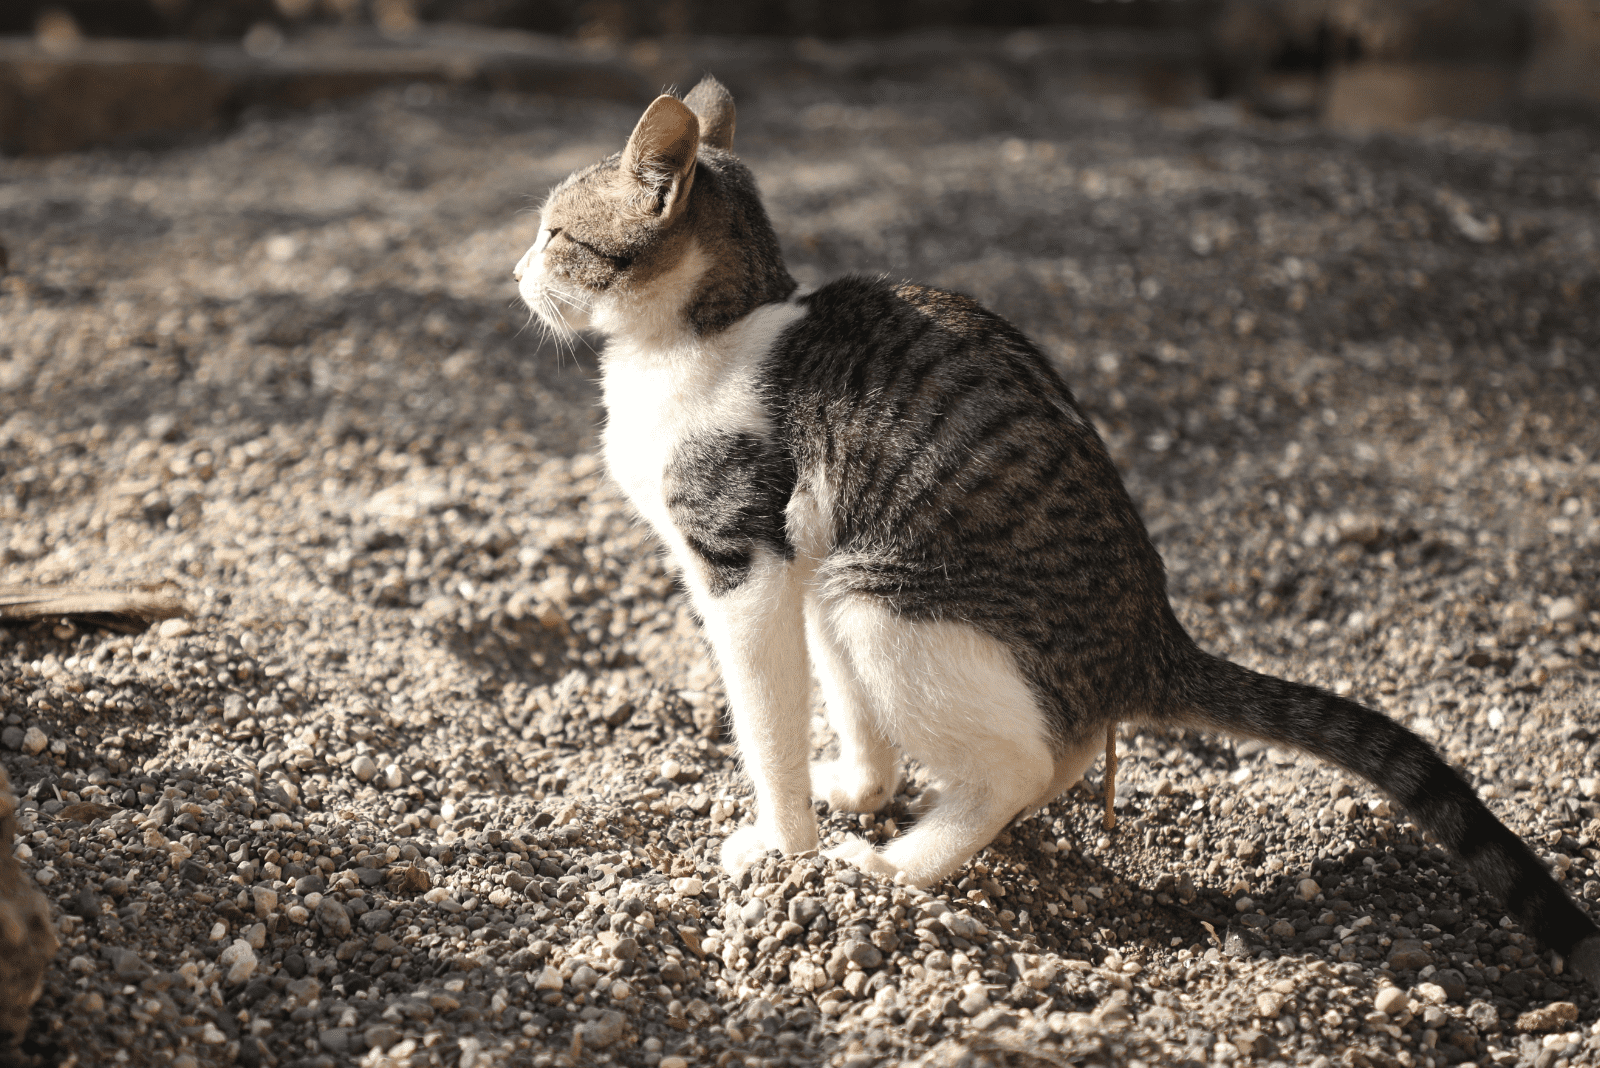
(516,272)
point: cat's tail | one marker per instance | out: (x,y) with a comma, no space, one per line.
(1219,695)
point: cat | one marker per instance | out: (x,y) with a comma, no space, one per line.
(889,487)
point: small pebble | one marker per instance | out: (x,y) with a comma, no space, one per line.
(265,899)
(974,999)
(240,961)
(1391,999)
(333,918)
(34,740)
(1563,609)
(176,627)
(363,767)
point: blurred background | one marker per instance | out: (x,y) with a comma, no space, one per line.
(79,72)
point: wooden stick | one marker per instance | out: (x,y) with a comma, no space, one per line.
(1111,777)
(128,609)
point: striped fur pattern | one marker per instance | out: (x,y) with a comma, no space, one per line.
(889,490)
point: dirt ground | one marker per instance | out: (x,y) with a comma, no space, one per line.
(435,774)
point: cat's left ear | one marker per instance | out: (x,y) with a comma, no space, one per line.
(659,159)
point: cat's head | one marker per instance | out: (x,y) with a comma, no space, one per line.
(663,241)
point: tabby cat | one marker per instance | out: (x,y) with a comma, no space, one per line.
(888,486)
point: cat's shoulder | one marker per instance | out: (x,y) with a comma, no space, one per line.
(876,309)
(877,295)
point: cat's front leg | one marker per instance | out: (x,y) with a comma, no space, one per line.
(758,633)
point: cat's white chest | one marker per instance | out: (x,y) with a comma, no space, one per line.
(657,399)
(649,415)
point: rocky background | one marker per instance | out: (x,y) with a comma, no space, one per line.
(434,772)
(75,73)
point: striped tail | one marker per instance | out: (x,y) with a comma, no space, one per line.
(1219,695)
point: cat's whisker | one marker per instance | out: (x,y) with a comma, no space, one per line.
(575,301)
(557,330)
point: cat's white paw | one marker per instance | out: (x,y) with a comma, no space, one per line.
(851,787)
(744,847)
(858,853)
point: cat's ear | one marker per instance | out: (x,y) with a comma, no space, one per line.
(713,105)
(659,159)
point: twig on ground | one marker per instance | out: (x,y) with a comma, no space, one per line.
(127,610)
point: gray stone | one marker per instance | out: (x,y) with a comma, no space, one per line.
(605,1031)
(127,965)
(803,910)
(265,899)
(376,920)
(305,989)
(1407,954)
(864,954)
(1452,982)
(333,918)
(11,737)
(381,1036)
(240,960)
(336,1040)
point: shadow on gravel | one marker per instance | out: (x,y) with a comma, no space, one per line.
(1350,381)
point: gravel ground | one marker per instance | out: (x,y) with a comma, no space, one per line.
(434,773)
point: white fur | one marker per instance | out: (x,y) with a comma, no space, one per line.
(952,698)
(946,694)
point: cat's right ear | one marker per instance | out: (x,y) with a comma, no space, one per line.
(659,159)
(713,105)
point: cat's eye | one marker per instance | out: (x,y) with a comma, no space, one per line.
(621,263)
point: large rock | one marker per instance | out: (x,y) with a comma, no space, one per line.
(27,937)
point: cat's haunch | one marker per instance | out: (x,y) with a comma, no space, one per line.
(889,488)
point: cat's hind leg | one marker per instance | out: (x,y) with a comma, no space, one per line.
(867,773)
(954,700)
